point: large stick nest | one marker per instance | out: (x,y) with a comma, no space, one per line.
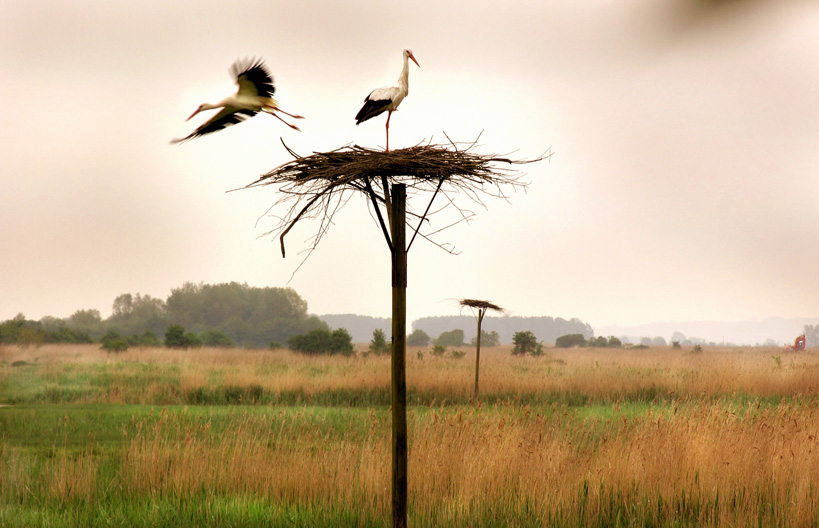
(318,184)
(481,305)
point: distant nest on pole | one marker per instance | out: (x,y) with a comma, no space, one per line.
(319,184)
(481,305)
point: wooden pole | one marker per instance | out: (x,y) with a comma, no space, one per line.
(399,355)
(481,312)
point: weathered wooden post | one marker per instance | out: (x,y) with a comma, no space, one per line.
(399,355)
(481,313)
(483,307)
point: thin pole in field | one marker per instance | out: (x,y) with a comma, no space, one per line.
(399,356)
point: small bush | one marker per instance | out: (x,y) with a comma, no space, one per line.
(488,339)
(457,354)
(113,342)
(379,343)
(526,343)
(215,338)
(321,341)
(418,338)
(451,338)
(438,350)
(570,340)
(146,339)
(176,337)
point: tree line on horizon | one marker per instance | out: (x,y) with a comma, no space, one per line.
(547,329)
(227,314)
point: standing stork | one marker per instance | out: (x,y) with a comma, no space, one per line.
(255,95)
(388,98)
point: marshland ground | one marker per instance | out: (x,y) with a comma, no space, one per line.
(575,437)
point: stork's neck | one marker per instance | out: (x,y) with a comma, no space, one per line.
(403,79)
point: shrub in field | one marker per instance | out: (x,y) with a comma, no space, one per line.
(379,343)
(319,341)
(113,342)
(488,339)
(526,343)
(147,339)
(451,338)
(457,354)
(570,340)
(438,350)
(418,338)
(215,338)
(176,337)
(602,342)
(66,334)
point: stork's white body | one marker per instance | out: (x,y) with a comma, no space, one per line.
(388,98)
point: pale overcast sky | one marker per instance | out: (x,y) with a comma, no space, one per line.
(684,183)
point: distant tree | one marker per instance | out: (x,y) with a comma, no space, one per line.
(488,339)
(66,334)
(88,322)
(451,338)
(10,329)
(570,340)
(614,342)
(147,339)
(379,343)
(321,341)
(526,343)
(192,340)
(418,338)
(133,314)
(215,338)
(248,316)
(658,341)
(598,341)
(175,336)
(645,341)
(112,341)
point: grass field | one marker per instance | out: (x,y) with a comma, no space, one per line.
(580,437)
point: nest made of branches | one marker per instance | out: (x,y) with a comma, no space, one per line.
(481,305)
(318,184)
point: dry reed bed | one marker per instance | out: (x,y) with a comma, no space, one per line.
(704,463)
(596,374)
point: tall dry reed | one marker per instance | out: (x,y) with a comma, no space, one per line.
(696,463)
(158,375)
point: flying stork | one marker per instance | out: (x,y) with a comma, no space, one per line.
(388,98)
(255,95)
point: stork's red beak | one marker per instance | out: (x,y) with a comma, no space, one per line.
(413,60)
(194,113)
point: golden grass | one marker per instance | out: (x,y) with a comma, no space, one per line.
(699,453)
(708,464)
(595,374)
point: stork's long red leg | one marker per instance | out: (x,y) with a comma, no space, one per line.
(294,116)
(271,109)
(389,115)
(294,127)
